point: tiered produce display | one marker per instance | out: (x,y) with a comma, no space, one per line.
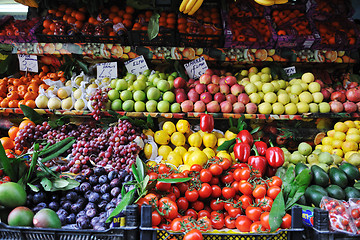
(206,156)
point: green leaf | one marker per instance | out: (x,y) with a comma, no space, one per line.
(6,164)
(288,180)
(83,66)
(150,122)
(140,169)
(357,185)
(153,27)
(33,187)
(174,180)
(254,130)
(55,147)
(47,184)
(277,212)
(180,69)
(136,174)
(114,114)
(72,184)
(60,183)
(226,145)
(59,152)
(145,183)
(300,184)
(31,114)
(126,200)
(140,4)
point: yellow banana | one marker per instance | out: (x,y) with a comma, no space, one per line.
(196,7)
(281,1)
(189,6)
(265,2)
(183,5)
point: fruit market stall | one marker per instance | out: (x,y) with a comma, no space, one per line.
(180,120)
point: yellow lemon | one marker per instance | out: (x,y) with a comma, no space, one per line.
(318,146)
(350,124)
(181,150)
(174,158)
(341,127)
(230,135)
(148,150)
(169,127)
(353,138)
(192,149)
(327,141)
(338,152)
(330,133)
(353,131)
(221,141)
(195,140)
(336,144)
(224,154)
(339,136)
(348,146)
(348,154)
(184,167)
(197,157)
(327,148)
(151,163)
(164,151)
(183,126)
(357,124)
(161,137)
(178,139)
(209,152)
(218,134)
(209,140)
(201,133)
(186,157)
(148,132)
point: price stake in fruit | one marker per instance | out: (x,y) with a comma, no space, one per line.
(137,65)
(196,68)
(107,70)
(28,63)
(290,70)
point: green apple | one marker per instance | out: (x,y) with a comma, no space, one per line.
(113,83)
(268,87)
(139,96)
(270,97)
(126,95)
(139,106)
(163,106)
(113,94)
(314,108)
(169,96)
(153,93)
(130,76)
(121,84)
(290,109)
(142,77)
(147,72)
(265,108)
(128,105)
(139,85)
(278,108)
(116,105)
(163,85)
(175,108)
(151,106)
(324,107)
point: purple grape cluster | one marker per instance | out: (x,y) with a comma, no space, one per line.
(99,100)
(29,134)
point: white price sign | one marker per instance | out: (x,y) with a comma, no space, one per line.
(137,65)
(290,70)
(28,63)
(107,70)
(196,68)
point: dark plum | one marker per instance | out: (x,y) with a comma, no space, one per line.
(105,188)
(106,197)
(72,196)
(94,197)
(97,188)
(84,187)
(94,221)
(91,212)
(91,205)
(41,205)
(128,178)
(62,219)
(112,175)
(102,205)
(62,211)
(54,206)
(66,205)
(99,227)
(110,205)
(75,208)
(81,214)
(82,201)
(122,174)
(80,178)
(83,222)
(71,218)
(115,191)
(39,197)
(99,171)
(93,180)
(115,183)
(103,179)
(87,194)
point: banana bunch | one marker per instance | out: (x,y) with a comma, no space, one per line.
(270,2)
(190,6)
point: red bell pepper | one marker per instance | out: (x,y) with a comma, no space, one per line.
(206,122)
(258,162)
(261,147)
(275,156)
(270,171)
(245,137)
(242,151)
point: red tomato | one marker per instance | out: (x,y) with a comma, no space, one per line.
(228,193)
(183,203)
(152,199)
(253,213)
(205,175)
(234,212)
(264,219)
(355,213)
(204,213)
(177,175)
(243,223)
(205,223)
(183,187)
(215,169)
(194,234)
(215,214)
(225,164)
(216,205)
(192,195)
(217,222)
(175,225)
(246,201)
(275,181)
(214,181)
(176,191)
(163,168)
(192,213)
(257,227)
(235,186)
(168,208)
(197,205)
(228,178)
(153,175)
(205,190)
(195,168)
(216,191)
(164,226)
(286,221)
(163,187)
(229,222)
(265,203)
(245,187)
(273,191)
(155,218)
(259,191)
(171,196)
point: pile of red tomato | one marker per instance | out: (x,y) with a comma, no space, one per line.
(219,195)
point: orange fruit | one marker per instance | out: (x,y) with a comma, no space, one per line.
(47,23)
(80,16)
(13,132)
(71,20)
(21,102)
(69,10)
(52,27)
(127,23)
(12,95)
(7,143)
(4,103)
(30,96)
(62,7)
(129,9)
(114,9)
(30,103)
(13,103)
(112,15)
(26,122)
(148,14)
(117,20)
(59,14)
(79,24)
(127,16)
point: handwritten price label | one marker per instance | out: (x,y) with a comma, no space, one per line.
(137,65)
(28,63)
(196,68)
(290,70)
(107,70)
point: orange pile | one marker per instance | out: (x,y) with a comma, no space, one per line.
(282,18)
(166,20)
(241,9)
(329,29)
(241,33)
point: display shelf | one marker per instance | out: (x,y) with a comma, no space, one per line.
(84,113)
(239,55)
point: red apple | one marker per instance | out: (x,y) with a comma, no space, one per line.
(205,79)
(179,90)
(224,89)
(206,97)
(243,98)
(226,107)
(222,81)
(209,72)
(219,97)
(231,98)
(213,107)
(213,88)
(200,88)
(325,93)
(238,107)
(350,107)
(179,82)
(336,106)
(193,95)
(236,89)
(322,85)
(251,108)
(187,106)
(230,80)
(339,96)
(353,95)
(215,79)
(199,106)
(180,97)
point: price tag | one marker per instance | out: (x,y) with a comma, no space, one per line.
(107,70)
(137,65)
(196,68)
(28,63)
(290,70)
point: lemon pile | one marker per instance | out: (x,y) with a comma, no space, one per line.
(343,140)
(178,145)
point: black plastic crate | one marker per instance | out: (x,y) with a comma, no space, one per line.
(201,41)
(165,38)
(122,39)
(295,233)
(45,38)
